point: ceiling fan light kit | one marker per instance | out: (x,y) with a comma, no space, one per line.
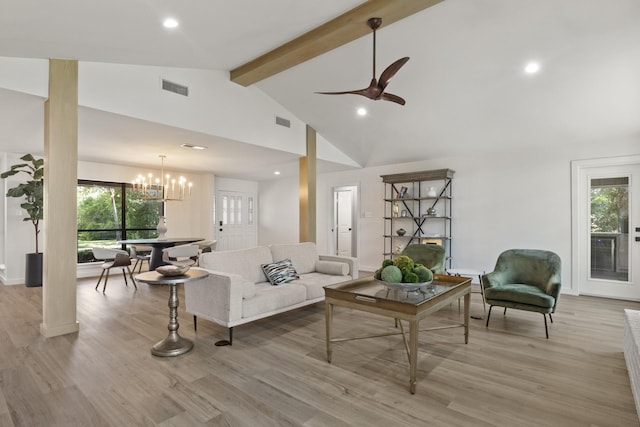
(375,90)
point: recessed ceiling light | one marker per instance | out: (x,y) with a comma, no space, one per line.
(276,172)
(532,67)
(170,23)
(193,147)
(362,111)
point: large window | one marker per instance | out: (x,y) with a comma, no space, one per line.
(105,216)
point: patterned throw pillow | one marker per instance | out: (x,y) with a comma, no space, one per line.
(280,272)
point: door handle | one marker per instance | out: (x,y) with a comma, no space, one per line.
(349,228)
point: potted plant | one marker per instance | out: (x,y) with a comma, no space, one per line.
(31,192)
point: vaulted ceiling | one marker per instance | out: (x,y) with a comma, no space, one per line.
(465,88)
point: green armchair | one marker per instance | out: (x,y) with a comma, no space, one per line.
(524,279)
(431,256)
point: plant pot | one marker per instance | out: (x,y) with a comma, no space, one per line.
(33,270)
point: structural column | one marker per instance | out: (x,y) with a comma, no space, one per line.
(60,186)
(308,189)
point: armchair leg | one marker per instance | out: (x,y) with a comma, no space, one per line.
(195,322)
(546,331)
(505,311)
(488,317)
(226,342)
(125,277)
(551,318)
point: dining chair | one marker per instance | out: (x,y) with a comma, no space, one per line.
(140,258)
(207,245)
(113,258)
(181,255)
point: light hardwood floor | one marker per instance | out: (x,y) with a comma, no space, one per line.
(275,374)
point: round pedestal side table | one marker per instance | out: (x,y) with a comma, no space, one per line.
(173,344)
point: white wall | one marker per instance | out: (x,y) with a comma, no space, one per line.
(19,237)
(516,199)
(279,211)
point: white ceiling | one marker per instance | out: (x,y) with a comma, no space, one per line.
(464,85)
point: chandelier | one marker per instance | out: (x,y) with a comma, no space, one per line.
(163,188)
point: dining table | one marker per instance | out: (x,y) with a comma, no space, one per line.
(157,245)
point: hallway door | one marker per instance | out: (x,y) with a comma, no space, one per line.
(344,220)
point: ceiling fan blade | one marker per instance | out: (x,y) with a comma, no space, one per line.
(391,71)
(393,98)
(346,92)
(371,92)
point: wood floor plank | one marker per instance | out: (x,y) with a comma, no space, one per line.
(276,373)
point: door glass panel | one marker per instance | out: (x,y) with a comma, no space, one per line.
(225,210)
(610,228)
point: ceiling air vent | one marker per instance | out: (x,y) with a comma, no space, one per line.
(283,122)
(175,88)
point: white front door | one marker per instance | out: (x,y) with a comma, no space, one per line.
(608,232)
(236,220)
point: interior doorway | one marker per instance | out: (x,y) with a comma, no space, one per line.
(345,221)
(606,227)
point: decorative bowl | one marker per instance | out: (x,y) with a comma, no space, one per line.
(172,270)
(407,287)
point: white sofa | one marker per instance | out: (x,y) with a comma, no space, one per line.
(237,290)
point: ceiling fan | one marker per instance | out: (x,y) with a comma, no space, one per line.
(376,88)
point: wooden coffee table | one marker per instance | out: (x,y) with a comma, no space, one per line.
(370,295)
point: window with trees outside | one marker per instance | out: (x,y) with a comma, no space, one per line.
(105,216)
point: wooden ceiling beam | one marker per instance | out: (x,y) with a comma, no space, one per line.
(339,31)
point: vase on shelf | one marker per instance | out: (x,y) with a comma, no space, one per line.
(431,192)
(162,228)
(401,231)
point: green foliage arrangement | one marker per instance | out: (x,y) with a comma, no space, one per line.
(31,190)
(403,269)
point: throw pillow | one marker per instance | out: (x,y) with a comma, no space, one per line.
(280,272)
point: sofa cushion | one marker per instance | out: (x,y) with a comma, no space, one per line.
(332,267)
(244,262)
(280,272)
(315,283)
(302,255)
(270,298)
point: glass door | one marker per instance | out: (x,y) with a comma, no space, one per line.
(610,265)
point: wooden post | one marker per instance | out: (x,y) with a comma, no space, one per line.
(308,189)
(60,187)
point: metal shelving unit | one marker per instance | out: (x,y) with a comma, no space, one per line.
(420,203)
